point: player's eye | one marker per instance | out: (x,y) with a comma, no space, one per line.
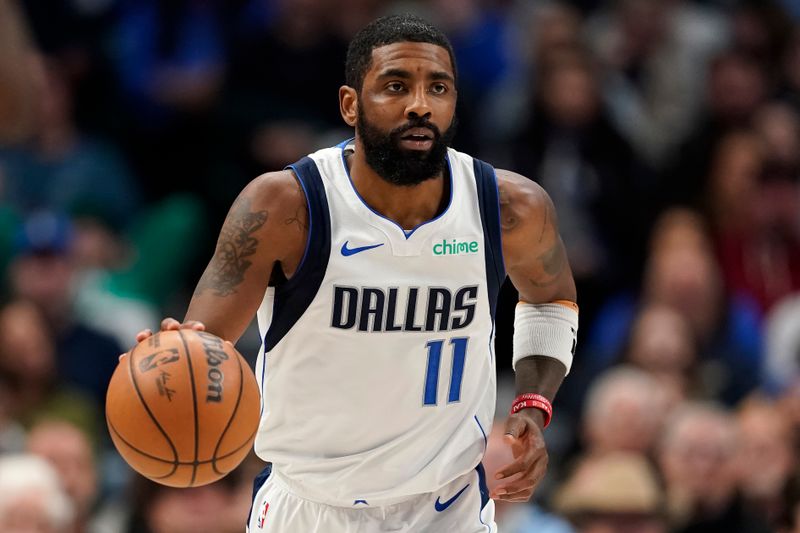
(439,88)
(394,87)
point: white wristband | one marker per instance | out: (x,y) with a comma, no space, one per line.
(549,330)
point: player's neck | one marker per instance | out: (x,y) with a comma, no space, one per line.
(408,206)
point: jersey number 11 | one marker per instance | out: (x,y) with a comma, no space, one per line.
(457,369)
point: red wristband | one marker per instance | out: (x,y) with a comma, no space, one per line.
(531,400)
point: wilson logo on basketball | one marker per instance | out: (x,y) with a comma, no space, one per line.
(215,355)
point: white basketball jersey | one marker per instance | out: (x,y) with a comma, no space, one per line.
(377,371)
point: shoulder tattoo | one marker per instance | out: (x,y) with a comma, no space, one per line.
(236,243)
(299,219)
(508,219)
(554,259)
(552,263)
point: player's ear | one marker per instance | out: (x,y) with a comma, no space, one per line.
(348,105)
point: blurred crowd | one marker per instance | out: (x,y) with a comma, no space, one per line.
(667,133)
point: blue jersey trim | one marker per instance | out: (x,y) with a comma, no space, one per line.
(489,202)
(407,233)
(293,297)
(484,489)
(263,373)
(485,439)
(258,482)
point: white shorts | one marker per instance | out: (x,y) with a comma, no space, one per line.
(461,506)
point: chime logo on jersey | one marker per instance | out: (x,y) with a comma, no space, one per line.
(387,309)
(262,516)
(455,247)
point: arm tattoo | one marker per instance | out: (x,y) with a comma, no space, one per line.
(552,261)
(544,224)
(508,219)
(300,219)
(236,243)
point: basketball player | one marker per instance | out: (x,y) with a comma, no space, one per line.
(373,268)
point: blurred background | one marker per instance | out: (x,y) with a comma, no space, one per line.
(667,133)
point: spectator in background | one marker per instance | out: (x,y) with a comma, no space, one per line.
(17,100)
(778,126)
(484,42)
(662,344)
(43,274)
(655,55)
(28,370)
(737,85)
(766,459)
(60,168)
(31,497)
(169,58)
(515,517)
(75,35)
(761,29)
(697,455)
(754,220)
(615,493)
(682,272)
(624,411)
(12,433)
(205,509)
(782,347)
(571,148)
(789,81)
(536,29)
(270,124)
(69,450)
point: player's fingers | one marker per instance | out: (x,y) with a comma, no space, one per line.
(121,356)
(519,465)
(520,495)
(170,323)
(528,481)
(517,498)
(142,335)
(515,427)
(194,325)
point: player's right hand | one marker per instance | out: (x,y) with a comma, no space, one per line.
(168,324)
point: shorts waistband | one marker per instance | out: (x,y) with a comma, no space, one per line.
(300,491)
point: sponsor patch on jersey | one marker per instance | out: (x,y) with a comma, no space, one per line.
(455,247)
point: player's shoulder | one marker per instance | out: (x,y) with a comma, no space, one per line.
(520,198)
(278,191)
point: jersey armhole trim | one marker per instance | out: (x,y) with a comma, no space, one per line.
(489,204)
(293,298)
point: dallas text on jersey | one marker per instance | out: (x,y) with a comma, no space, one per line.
(380,309)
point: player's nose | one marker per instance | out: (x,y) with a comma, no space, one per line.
(418,104)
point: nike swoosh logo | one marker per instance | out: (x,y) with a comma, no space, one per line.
(352,251)
(441,506)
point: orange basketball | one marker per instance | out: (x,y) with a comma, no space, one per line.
(183,408)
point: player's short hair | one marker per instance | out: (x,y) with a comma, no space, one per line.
(387,30)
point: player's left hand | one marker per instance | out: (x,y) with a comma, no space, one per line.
(522,476)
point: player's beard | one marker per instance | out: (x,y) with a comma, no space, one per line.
(400,166)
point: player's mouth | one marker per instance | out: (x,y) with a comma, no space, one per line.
(417,139)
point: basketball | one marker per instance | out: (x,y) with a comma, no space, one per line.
(183,408)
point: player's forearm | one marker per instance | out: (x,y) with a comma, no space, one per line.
(541,375)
